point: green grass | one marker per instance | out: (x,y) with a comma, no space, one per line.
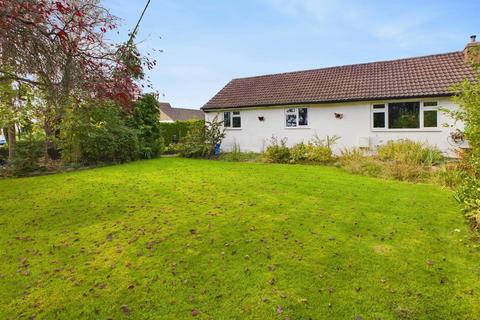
(166,237)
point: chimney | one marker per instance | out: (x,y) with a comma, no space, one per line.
(471,53)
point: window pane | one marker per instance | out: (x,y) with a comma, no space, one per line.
(236,112)
(291,120)
(379,120)
(378,106)
(303,117)
(430,119)
(236,122)
(404,115)
(226,119)
(430,104)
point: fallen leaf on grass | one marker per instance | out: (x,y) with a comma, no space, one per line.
(279,309)
(125,309)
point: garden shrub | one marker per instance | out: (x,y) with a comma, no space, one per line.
(298,153)
(405,171)
(431,156)
(193,145)
(277,151)
(3,154)
(468,194)
(449,175)
(28,153)
(351,155)
(467,97)
(320,150)
(173,148)
(93,135)
(357,161)
(174,132)
(411,152)
(202,139)
(109,143)
(317,153)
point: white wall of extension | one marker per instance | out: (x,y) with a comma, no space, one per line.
(354,128)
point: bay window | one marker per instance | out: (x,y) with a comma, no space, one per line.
(405,115)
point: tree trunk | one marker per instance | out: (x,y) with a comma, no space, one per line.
(51,152)
(11,142)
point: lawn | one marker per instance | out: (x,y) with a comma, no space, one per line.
(180,239)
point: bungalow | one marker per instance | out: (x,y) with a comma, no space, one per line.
(364,105)
(169,114)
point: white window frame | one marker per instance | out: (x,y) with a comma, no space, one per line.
(296,110)
(232,114)
(421,115)
(428,108)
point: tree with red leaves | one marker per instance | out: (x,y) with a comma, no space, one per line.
(61,48)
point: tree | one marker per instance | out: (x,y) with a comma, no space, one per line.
(15,109)
(60,47)
(145,118)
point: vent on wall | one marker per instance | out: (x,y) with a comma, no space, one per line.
(364,142)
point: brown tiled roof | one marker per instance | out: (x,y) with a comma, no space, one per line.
(180,114)
(404,78)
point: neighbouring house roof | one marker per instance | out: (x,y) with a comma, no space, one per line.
(404,78)
(179,114)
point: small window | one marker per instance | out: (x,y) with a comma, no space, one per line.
(379,119)
(291,117)
(378,116)
(430,119)
(227,119)
(296,117)
(430,114)
(236,120)
(232,119)
(303,117)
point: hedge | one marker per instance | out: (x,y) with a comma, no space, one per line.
(172,132)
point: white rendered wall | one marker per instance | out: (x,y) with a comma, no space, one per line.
(355,124)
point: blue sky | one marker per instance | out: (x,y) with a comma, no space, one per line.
(206,43)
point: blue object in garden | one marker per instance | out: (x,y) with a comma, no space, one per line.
(217,149)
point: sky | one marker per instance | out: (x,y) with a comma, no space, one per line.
(200,45)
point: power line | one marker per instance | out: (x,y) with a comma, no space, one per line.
(138,23)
